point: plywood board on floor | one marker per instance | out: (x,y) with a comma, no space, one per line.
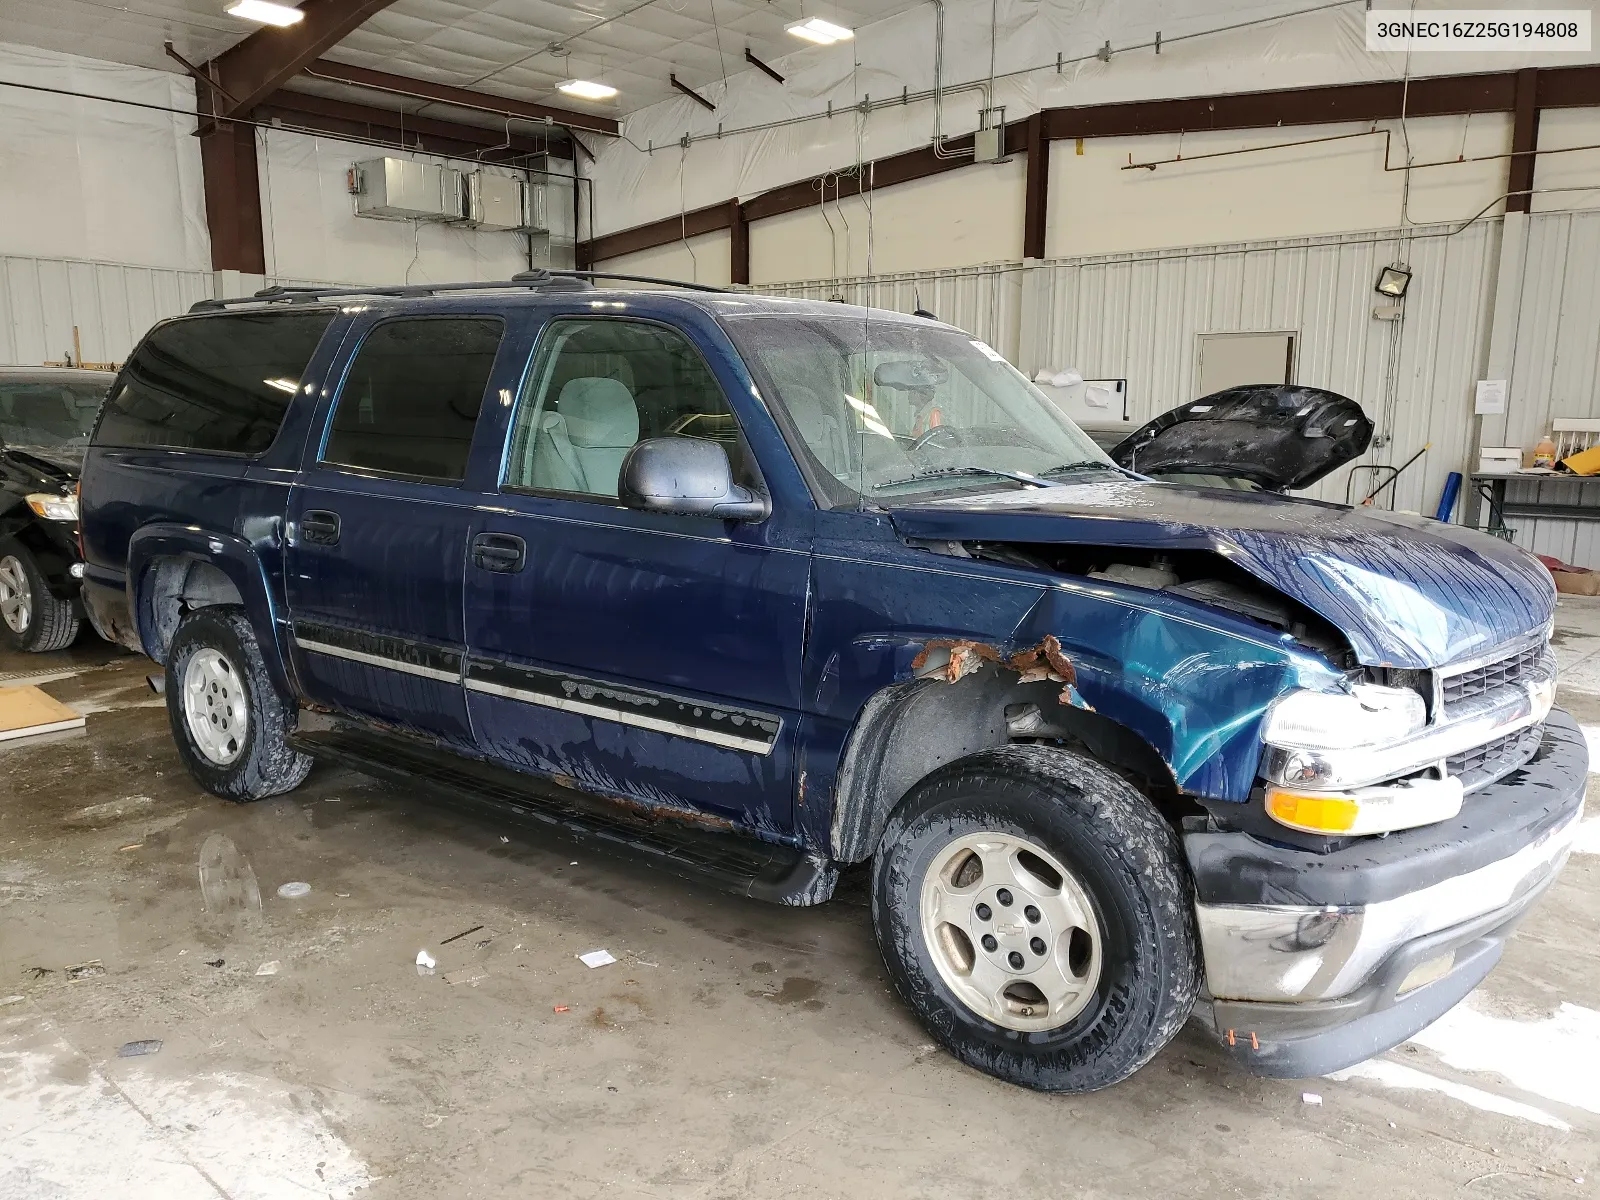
(26,711)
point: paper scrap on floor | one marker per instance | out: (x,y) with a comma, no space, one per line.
(596,958)
(26,711)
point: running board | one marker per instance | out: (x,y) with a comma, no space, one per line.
(688,847)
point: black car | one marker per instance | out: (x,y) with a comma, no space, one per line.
(46,415)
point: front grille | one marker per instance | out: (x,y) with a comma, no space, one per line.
(1492,760)
(1514,668)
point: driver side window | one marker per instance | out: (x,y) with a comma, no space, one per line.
(597,388)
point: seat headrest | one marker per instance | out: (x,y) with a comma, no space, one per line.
(599,412)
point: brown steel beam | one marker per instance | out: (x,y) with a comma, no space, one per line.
(1524,142)
(691,93)
(1443,96)
(233,198)
(761,66)
(1036,189)
(266,60)
(738,244)
(324,114)
(880,173)
(1568,87)
(658,233)
(199,75)
(421,89)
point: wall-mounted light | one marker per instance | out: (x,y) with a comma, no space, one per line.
(265,12)
(1393,281)
(823,33)
(585,89)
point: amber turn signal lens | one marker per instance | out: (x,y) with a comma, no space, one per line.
(1312,813)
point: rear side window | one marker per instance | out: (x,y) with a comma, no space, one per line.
(218,383)
(411,399)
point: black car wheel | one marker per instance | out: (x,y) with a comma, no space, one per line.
(31,619)
(1035,911)
(229,722)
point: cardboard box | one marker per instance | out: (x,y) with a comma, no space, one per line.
(1577,583)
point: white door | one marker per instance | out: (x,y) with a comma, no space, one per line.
(1230,359)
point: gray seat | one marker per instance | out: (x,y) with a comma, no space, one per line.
(823,431)
(581,445)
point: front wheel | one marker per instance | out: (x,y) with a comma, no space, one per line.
(1035,911)
(229,722)
(31,618)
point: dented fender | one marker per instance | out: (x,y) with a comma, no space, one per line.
(1193,682)
(1195,694)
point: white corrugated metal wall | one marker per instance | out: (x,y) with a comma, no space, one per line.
(42,299)
(1555,368)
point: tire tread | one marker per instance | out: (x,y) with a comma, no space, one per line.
(1129,830)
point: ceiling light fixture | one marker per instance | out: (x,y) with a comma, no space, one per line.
(585,89)
(823,33)
(266,12)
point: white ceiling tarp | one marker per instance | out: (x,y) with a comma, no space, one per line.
(84,179)
(1208,47)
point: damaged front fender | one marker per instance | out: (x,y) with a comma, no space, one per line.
(953,659)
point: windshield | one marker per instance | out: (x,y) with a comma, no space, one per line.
(48,415)
(892,409)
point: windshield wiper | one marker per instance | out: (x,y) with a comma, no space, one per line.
(1088,464)
(945,472)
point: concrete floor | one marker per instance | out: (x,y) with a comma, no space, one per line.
(734,1049)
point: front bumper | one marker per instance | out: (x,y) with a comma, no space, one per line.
(1317,961)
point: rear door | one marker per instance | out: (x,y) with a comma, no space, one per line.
(378,522)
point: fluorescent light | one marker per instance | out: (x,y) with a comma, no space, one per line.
(266,12)
(823,33)
(283,385)
(585,89)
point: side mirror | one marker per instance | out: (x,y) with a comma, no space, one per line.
(690,477)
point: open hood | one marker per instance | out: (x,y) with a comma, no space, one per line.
(1280,437)
(1405,591)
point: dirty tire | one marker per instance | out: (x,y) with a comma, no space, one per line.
(52,624)
(265,765)
(1122,853)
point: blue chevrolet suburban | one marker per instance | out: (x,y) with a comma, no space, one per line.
(758,589)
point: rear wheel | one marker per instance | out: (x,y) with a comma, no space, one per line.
(1035,910)
(228,720)
(31,619)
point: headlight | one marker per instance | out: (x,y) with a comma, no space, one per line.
(54,508)
(1366,715)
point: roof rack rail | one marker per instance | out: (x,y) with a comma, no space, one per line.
(536,280)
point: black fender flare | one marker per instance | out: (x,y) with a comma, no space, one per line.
(228,553)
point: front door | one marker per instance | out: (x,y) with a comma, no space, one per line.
(378,526)
(651,658)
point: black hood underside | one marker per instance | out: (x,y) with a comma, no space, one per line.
(1278,436)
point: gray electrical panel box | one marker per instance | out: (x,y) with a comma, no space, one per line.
(989,145)
(401,189)
(496,201)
